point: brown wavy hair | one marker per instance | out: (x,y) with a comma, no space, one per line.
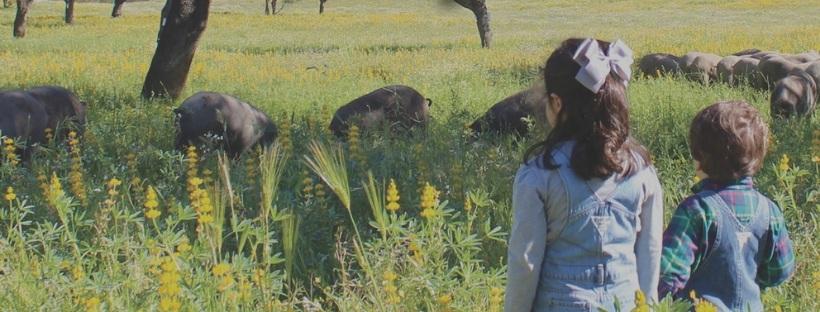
(729,139)
(598,122)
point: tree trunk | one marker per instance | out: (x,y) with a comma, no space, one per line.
(267,7)
(6,3)
(482,16)
(69,11)
(20,18)
(117,11)
(322,6)
(182,23)
(273,7)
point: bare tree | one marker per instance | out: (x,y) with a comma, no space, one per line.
(182,23)
(322,6)
(69,11)
(20,18)
(482,16)
(117,11)
(270,7)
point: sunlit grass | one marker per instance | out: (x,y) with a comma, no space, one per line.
(281,247)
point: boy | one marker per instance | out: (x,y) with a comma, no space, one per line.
(727,242)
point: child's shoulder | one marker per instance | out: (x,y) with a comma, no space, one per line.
(770,203)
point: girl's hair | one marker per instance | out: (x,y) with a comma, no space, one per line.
(598,122)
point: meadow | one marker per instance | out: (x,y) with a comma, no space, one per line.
(118,220)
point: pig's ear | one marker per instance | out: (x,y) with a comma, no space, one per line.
(429,102)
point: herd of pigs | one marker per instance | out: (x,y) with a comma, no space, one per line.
(27,114)
(793,79)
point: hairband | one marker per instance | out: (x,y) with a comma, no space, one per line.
(595,65)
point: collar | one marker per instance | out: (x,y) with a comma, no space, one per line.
(716,185)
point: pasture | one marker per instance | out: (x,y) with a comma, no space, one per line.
(76,234)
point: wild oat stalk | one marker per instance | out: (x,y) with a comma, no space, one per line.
(330,166)
(331,169)
(290,236)
(375,196)
(271,167)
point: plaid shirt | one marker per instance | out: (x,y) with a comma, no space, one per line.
(691,234)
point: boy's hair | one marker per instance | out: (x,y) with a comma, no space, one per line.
(729,139)
(597,121)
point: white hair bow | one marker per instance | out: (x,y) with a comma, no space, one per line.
(595,65)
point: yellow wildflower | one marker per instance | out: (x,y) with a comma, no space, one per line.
(195,182)
(784,163)
(168,304)
(815,159)
(221,269)
(816,276)
(92,304)
(49,135)
(445,299)
(10,149)
(114,182)
(392,197)
(390,276)
(225,283)
(258,276)
(152,214)
(43,180)
(320,191)
(151,203)
(429,200)
(393,296)
(640,302)
(205,219)
(75,176)
(204,202)
(496,296)
(184,246)
(244,288)
(77,272)
(701,305)
(307,185)
(10,195)
(150,198)
(169,289)
(416,252)
(284,135)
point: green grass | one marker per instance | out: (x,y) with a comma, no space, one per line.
(299,67)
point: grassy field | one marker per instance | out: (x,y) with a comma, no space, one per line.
(73,239)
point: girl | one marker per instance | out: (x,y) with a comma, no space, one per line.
(588,214)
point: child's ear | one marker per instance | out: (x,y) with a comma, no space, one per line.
(555,103)
(699,172)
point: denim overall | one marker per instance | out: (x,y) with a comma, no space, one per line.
(592,262)
(726,276)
